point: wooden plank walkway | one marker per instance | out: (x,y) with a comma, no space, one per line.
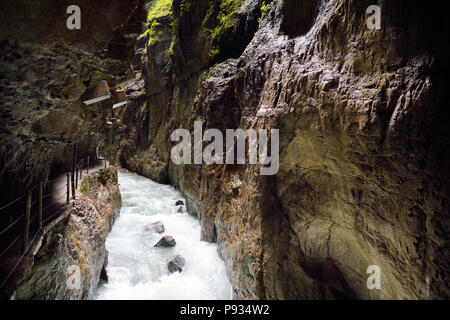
(16,262)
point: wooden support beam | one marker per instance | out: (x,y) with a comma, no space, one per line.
(74,161)
(96,94)
(119,98)
(110,145)
(68,187)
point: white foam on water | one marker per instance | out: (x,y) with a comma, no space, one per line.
(137,270)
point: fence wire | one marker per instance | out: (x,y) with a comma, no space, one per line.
(47,219)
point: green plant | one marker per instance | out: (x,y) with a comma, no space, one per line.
(143,34)
(265,6)
(220,18)
(187,5)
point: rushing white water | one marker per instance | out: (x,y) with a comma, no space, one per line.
(137,270)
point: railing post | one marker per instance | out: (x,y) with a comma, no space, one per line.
(88,165)
(41,191)
(73,189)
(74,161)
(110,145)
(26,229)
(68,187)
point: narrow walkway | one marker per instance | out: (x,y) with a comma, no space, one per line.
(14,262)
(59,188)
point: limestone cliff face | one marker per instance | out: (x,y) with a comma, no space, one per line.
(364,160)
(76,245)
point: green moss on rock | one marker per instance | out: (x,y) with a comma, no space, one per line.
(220,18)
(158,16)
(96,76)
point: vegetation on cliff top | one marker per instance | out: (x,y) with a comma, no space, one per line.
(219,19)
(158,11)
(222,15)
(218,23)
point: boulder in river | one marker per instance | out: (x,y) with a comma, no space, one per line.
(157,227)
(166,241)
(180,209)
(179,203)
(176,264)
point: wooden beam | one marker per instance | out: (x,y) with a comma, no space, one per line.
(74,161)
(119,98)
(96,94)
(68,187)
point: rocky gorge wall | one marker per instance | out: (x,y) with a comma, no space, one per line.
(364,161)
(44,70)
(76,245)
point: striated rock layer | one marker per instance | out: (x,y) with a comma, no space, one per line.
(364,160)
(76,245)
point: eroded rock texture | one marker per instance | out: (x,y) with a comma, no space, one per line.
(76,245)
(45,68)
(364,162)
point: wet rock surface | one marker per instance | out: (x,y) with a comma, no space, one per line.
(176,264)
(166,241)
(364,151)
(364,161)
(157,227)
(131,205)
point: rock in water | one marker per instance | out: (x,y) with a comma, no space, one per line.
(180,209)
(179,203)
(176,264)
(166,241)
(157,227)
